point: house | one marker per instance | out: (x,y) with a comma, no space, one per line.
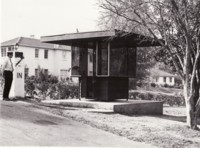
(55,59)
(161,78)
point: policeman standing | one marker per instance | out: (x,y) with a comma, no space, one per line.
(7,70)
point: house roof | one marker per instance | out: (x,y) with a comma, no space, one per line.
(161,73)
(129,38)
(31,42)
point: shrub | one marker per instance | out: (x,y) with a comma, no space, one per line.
(74,91)
(29,85)
(153,84)
(63,90)
(43,88)
(139,84)
(165,85)
(178,86)
(132,83)
(45,85)
(170,86)
(167,99)
(142,96)
(43,82)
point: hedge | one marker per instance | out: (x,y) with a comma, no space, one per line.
(48,86)
(167,99)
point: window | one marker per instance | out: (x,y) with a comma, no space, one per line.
(102,59)
(26,71)
(75,61)
(11,48)
(46,54)
(63,74)
(91,55)
(36,72)
(64,54)
(170,79)
(3,52)
(131,63)
(90,62)
(118,61)
(164,78)
(36,53)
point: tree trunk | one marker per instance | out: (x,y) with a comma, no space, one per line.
(190,112)
(191,115)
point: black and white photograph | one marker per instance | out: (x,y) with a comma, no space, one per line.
(100,73)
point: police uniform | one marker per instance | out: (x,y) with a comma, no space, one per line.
(8,76)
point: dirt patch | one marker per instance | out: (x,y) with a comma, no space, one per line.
(44,122)
(164,131)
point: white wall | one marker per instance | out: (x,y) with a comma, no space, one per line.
(54,63)
(160,81)
(60,62)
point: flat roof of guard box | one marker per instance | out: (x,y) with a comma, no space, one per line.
(107,35)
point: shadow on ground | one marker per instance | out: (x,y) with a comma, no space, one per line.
(104,112)
(174,118)
(38,102)
(13,111)
(177,118)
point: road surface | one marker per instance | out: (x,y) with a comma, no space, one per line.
(22,124)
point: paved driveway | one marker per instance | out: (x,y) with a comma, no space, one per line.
(24,125)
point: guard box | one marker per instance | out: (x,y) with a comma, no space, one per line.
(104,61)
(17,88)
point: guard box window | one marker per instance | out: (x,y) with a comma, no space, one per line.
(102,59)
(75,61)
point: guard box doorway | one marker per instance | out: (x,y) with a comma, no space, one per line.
(103,60)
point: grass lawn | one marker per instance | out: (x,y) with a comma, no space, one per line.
(167,131)
(160,90)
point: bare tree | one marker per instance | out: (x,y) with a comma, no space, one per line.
(177,23)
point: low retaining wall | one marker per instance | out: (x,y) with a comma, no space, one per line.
(140,108)
(131,107)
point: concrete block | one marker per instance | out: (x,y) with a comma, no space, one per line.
(140,108)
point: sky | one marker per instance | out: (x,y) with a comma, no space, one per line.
(23,18)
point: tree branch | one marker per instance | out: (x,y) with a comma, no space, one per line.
(161,43)
(195,68)
(116,11)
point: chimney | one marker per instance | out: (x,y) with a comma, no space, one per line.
(32,36)
(77,30)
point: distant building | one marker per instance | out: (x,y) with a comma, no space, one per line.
(55,59)
(162,78)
